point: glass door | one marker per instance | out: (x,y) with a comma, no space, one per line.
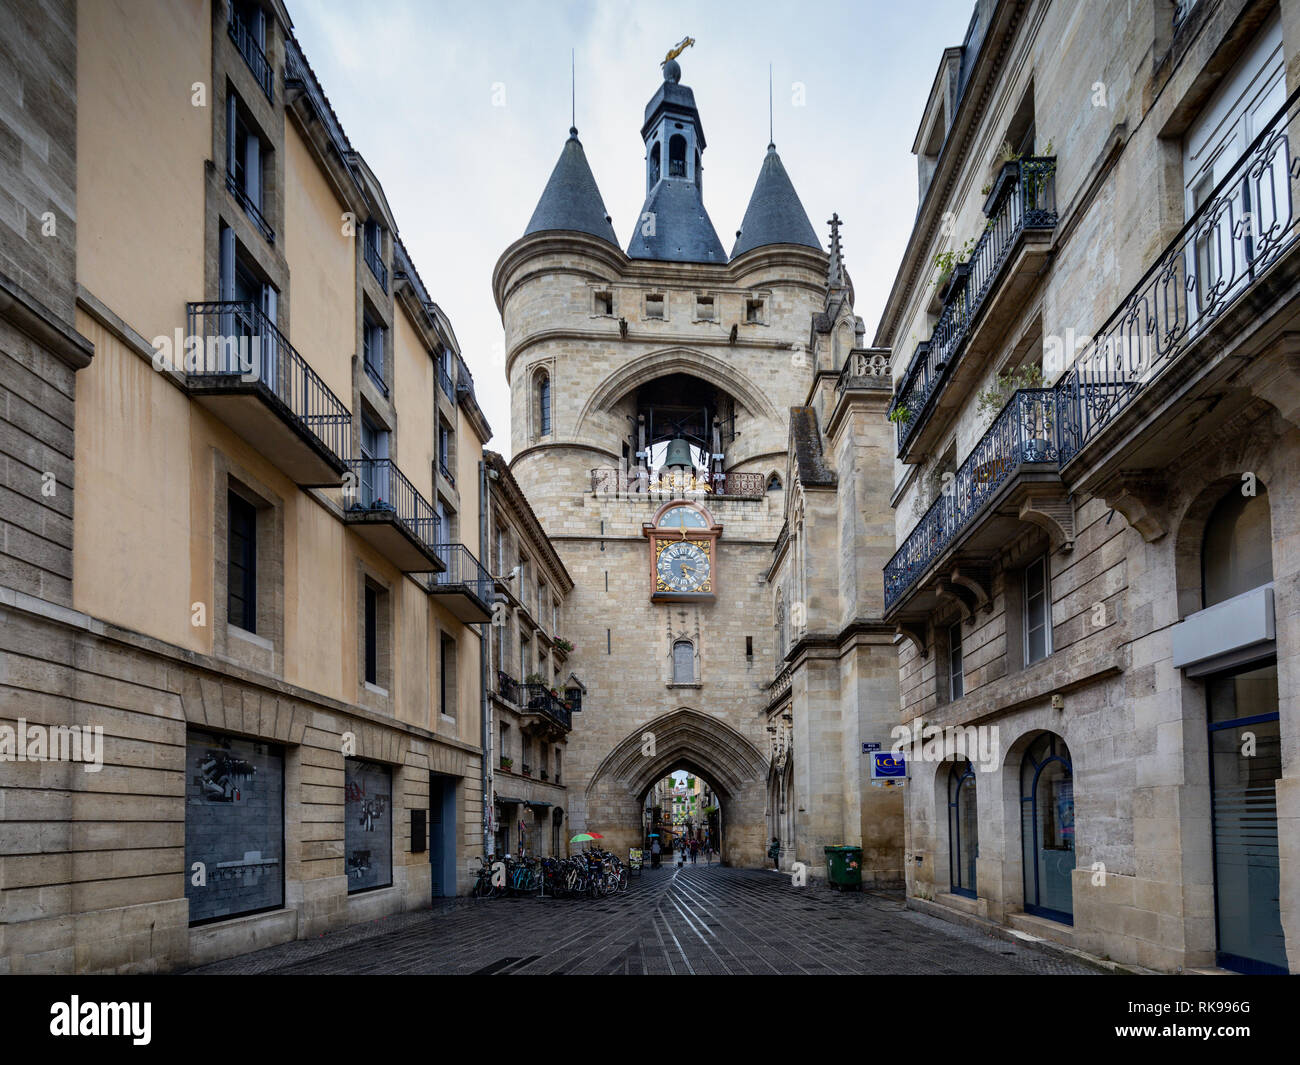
(1245,764)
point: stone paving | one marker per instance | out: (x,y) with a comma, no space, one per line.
(694,920)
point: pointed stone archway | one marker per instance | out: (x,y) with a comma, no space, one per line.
(684,738)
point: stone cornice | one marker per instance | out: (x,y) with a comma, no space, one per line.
(30,316)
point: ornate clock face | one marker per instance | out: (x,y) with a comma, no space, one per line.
(683,566)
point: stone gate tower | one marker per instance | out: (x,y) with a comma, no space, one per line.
(651,397)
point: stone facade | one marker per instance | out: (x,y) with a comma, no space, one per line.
(1093,520)
(254,744)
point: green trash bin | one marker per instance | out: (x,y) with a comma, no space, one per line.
(844,868)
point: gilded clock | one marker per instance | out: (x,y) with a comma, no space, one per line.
(684,566)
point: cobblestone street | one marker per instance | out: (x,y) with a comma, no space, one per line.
(701,919)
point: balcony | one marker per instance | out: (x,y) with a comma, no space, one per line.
(250,208)
(253,54)
(388,513)
(1010,477)
(251,378)
(464,587)
(446,472)
(865,369)
(1193,319)
(985,292)
(446,384)
(375,260)
(507,687)
(611,480)
(537,699)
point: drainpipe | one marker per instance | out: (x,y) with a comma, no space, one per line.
(484,648)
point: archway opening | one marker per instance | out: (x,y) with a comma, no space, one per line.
(682,814)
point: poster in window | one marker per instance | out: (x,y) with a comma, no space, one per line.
(368,826)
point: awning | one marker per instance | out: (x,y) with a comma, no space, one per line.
(533,802)
(506,800)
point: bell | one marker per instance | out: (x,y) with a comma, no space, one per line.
(679,454)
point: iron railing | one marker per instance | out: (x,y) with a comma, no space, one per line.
(445,382)
(538,697)
(253,55)
(446,473)
(1025,200)
(375,260)
(463,570)
(1242,228)
(239,341)
(1025,432)
(614,480)
(507,686)
(250,208)
(380,487)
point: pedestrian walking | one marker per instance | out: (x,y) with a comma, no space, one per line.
(654,855)
(774,852)
(695,850)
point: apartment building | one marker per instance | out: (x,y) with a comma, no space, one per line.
(267,600)
(534,693)
(1093,336)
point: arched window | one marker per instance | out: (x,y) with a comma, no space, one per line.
(677,156)
(1047,828)
(654,164)
(683,662)
(1237,553)
(774,483)
(963,829)
(543,390)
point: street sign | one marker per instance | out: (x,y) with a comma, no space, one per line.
(867,748)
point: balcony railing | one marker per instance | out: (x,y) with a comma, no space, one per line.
(865,369)
(1247,224)
(507,687)
(253,54)
(375,261)
(613,480)
(538,697)
(240,343)
(381,489)
(250,208)
(465,580)
(446,384)
(1026,200)
(1025,432)
(446,473)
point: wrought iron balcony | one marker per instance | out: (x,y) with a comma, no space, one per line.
(507,687)
(611,480)
(248,374)
(375,260)
(252,53)
(1246,226)
(464,587)
(250,208)
(446,384)
(1022,203)
(537,698)
(446,472)
(390,514)
(1024,434)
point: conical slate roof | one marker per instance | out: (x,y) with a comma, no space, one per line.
(571,199)
(674,227)
(774,214)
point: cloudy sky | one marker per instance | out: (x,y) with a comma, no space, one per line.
(462,108)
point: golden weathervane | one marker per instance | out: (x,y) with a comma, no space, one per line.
(682,45)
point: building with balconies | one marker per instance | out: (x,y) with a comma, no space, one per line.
(534,693)
(1094,588)
(267,599)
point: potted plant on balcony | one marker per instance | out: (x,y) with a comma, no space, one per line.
(507,763)
(900,415)
(526,769)
(952,265)
(565,646)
